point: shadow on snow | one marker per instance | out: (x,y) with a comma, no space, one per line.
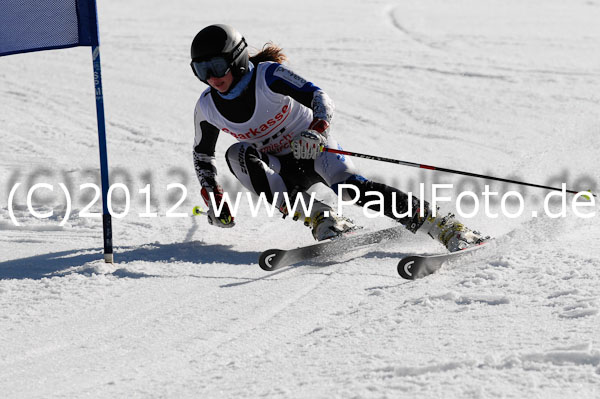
(47,265)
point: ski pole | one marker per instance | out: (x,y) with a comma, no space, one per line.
(198,210)
(458,172)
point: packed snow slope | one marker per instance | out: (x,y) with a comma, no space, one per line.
(507,88)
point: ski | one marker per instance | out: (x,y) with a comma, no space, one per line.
(273,259)
(418,266)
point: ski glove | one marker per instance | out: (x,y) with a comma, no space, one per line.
(224,218)
(307,145)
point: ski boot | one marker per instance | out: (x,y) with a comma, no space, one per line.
(322,227)
(331,226)
(454,235)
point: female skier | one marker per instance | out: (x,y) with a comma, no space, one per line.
(280,121)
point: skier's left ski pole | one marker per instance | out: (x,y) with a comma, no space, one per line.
(458,172)
(198,210)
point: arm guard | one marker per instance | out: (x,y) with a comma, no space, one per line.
(322,106)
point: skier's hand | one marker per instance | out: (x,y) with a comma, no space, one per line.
(224,218)
(307,145)
(319,125)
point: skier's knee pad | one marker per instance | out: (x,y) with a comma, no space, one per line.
(236,158)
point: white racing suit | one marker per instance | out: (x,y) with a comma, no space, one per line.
(265,117)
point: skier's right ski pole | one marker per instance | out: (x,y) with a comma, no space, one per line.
(459,172)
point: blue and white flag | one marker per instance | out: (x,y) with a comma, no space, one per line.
(35,25)
(27,25)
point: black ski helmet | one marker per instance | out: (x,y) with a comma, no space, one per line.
(222,40)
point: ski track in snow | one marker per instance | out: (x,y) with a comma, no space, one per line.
(503,88)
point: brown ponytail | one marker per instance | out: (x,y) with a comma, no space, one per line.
(269,52)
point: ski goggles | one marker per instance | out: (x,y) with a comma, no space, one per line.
(216,67)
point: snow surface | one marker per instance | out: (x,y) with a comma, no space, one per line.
(508,88)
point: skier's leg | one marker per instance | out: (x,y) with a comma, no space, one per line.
(336,170)
(258,172)
(395,202)
(325,222)
(274,176)
(446,229)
